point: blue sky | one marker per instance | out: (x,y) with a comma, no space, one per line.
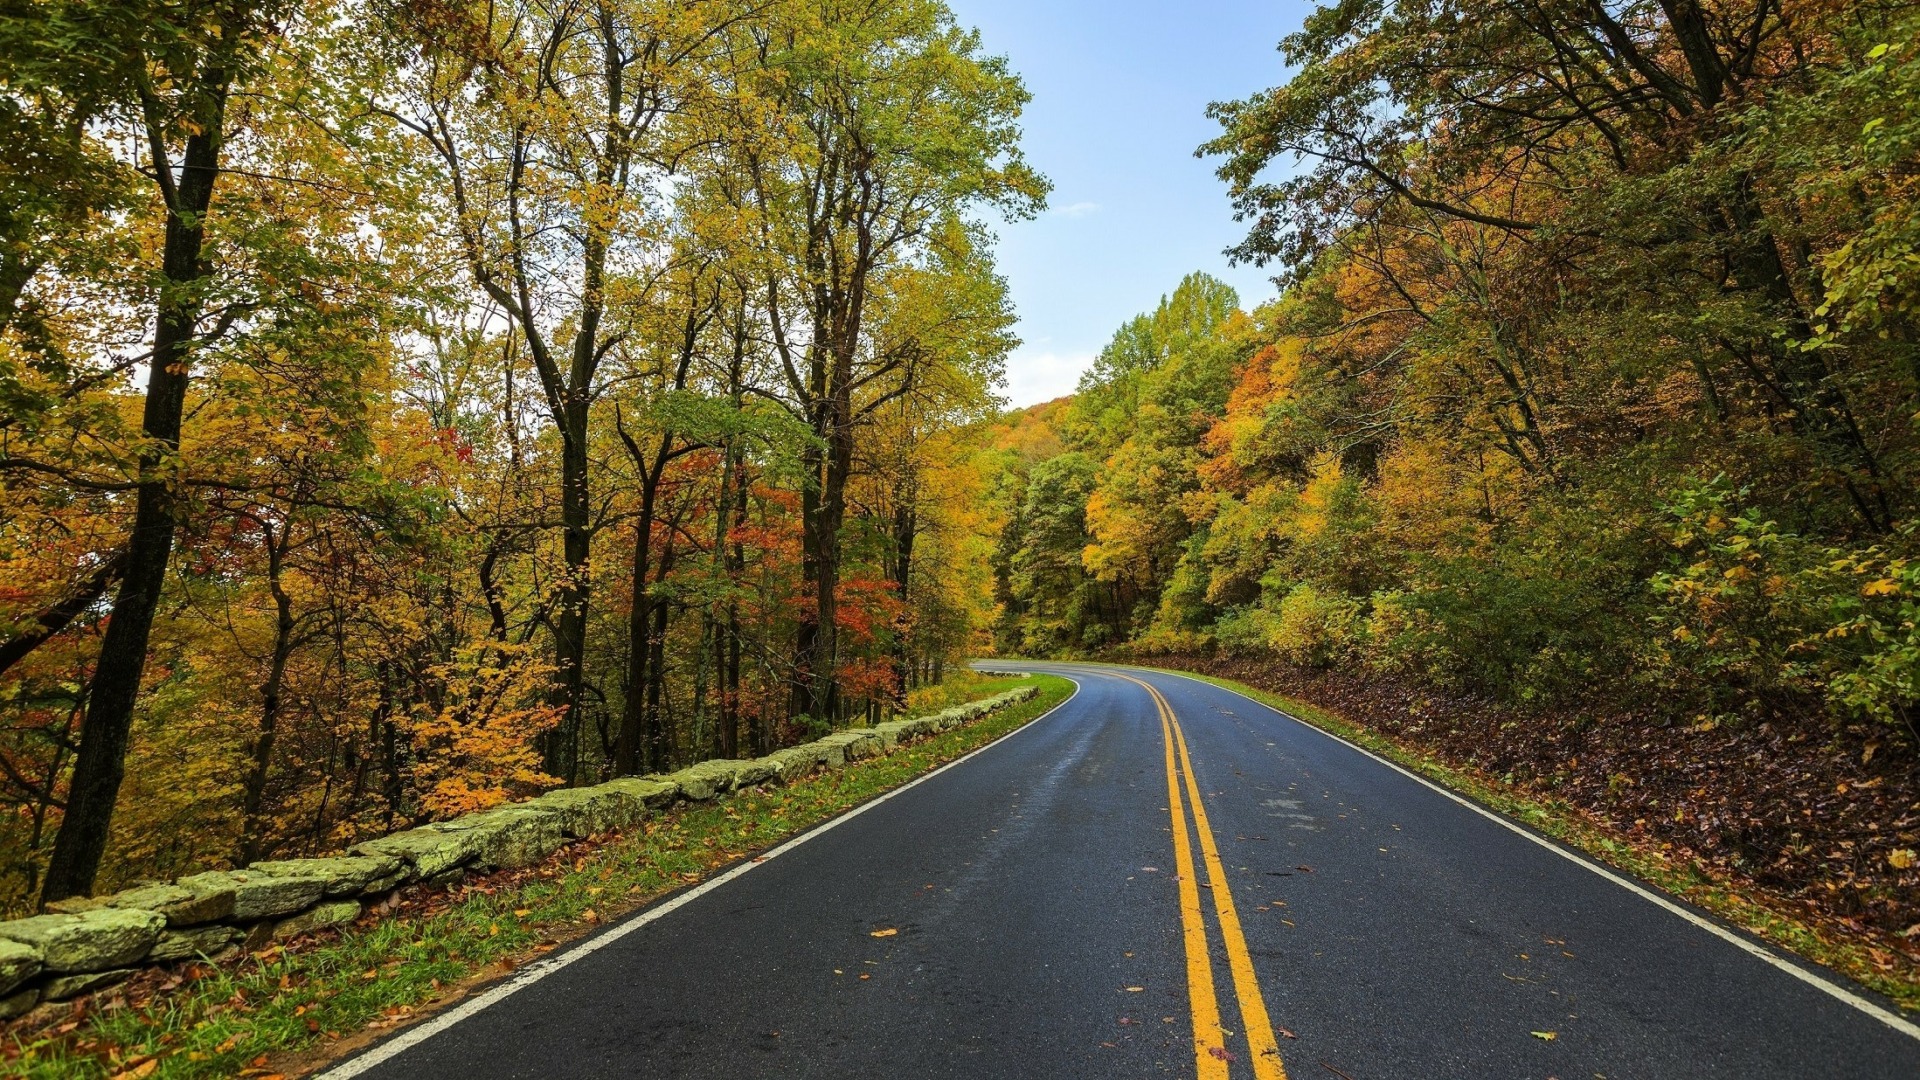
(1120,91)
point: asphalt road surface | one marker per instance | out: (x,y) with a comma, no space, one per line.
(1163,878)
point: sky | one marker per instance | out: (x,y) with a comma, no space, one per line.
(1120,91)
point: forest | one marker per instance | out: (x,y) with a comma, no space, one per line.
(1588,405)
(409,406)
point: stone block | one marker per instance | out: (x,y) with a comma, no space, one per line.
(18,1004)
(208,941)
(508,837)
(209,898)
(708,779)
(431,852)
(794,761)
(751,772)
(654,792)
(323,917)
(72,986)
(18,963)
(591,811)
(90,941)
(852,744)
(344,875)
(259,895)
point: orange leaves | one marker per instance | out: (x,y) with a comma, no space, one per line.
(478,749)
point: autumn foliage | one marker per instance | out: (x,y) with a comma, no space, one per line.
(1588,404)
(520,424)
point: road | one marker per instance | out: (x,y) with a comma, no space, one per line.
(1033,911)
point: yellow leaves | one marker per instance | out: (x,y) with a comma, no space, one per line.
(1316,498)
(1902,858)
(888,932)
(137,1069)
(478,750)
(1882,587)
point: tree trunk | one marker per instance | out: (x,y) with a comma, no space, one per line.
(628,747)
(906,526)
(100,764)
(260,755)
(728,733)
(570,621)
(658,742)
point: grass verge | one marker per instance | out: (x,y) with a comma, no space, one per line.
(278,1011)
(1732,901)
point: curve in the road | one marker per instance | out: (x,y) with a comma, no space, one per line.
(1372,927)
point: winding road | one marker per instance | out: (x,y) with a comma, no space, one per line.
(1164,878)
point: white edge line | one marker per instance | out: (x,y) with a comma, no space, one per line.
(1890,1019)
(540,969)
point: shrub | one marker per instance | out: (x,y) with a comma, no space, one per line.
(1316,627)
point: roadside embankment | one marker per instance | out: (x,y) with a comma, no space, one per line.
(1800,832)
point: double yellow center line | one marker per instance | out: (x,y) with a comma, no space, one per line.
(1209,1040)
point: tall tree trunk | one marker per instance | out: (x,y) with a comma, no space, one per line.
(570,620)
(260,753)
(100,765)
(906,527)
(629,745)
(728,735)
(658,738)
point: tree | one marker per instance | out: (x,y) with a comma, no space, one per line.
(550,126)
(888,123)
(1604,131)
(182,104)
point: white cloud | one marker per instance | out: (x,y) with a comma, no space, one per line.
(1033,376)
(1078,210)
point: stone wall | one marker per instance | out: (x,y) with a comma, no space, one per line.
(84,945)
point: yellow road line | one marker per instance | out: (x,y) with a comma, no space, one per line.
(1263,1048)
(1253,1006)
(1209,1041)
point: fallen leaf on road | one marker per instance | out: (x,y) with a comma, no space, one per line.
(1220,1052)
(1286,1034)
(888,932)
(864,976)
(1545,1036)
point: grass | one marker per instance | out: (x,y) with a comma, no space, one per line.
(273,1009)
(1726,898)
